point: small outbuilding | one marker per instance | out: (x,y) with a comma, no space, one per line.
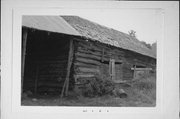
(60,52)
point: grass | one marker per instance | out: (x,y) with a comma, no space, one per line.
(141,93)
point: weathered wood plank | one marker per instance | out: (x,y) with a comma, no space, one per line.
(90,70)
(141,69)
(50,84)
(81,64)
(88,61)
(90,56)
(24,43)
(53,71)
(70,59)
(134,75)
(85,55)
(36,79)
(102,58)
(100,48)
(88,51)
(89,46)
(84,75)
(107,54)
(53,61)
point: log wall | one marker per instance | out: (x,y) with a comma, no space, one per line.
(92,58)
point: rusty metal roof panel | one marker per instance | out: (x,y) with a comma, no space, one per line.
(48,23)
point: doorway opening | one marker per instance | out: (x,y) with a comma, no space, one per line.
(45,61)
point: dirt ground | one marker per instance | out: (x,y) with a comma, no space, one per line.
(139,94)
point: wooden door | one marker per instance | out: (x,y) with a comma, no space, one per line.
(115,70)
(118,72)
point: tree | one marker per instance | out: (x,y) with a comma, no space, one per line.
(132,33)
(154,47)
(146,44)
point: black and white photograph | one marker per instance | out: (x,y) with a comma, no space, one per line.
(73,61)
(85,59)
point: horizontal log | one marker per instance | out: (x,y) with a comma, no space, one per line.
(79,49)
(141,69)
(49,57)
(47,68)
(51,61)
(100,47)
(91,70)
(118,61)
(63,64)
(52,72)
(97,53)
(49,88)
(87,61)
(117,51)
(89,46)
(49,78)
(54,75)
(53,64)
(49,84)
(84,76)
(87,55)
(91,56)
(81,64)
(50,81)
(84,73)
(54,55)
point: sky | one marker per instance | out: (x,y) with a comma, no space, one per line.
(146,22)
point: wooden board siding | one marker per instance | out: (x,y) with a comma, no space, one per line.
(54,74)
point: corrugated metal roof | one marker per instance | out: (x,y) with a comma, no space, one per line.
(107,35)
(48,23)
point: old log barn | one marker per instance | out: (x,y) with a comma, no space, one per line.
(60,52)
